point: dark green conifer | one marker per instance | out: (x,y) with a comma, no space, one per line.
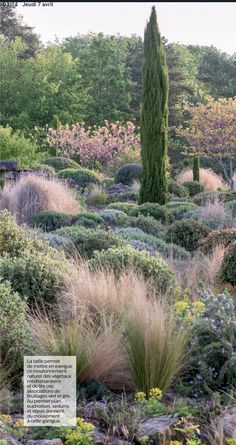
(196,169)
(154,116)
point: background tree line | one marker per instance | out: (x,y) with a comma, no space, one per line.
(94,77)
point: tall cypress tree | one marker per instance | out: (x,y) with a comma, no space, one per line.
(196,169)
(154,116)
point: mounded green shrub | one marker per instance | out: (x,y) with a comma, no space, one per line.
(148,224)
(158,245)
(114,217)
(152,209)
(178,190)
(125,257)
(126,207)
(231,206)
(86,241)
(228,267)
(14,334)
(88,219)
(194,187)
(59,163)
(202,198)
(179,209)
(34,275)
(217,237)
(186,233)
(81,177)
(128,173)
(50,220)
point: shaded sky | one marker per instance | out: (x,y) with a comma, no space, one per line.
(189,23)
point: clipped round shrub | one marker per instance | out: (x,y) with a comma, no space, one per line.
(186,233)
(148,224)
(127,257)
(217,237)
(14,334)
(193,187)
(228,267)
(81,177)
(114,217)
(152,209)
(49,220)
(179,209)
(86,241)
(205,197)
(231,206)
(128,173)
(34,275)
(157,245)
(59,163)
(178,190)
(126,207)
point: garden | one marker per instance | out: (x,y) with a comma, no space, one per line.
(118,235)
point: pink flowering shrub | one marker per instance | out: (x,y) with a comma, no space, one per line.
(104,148)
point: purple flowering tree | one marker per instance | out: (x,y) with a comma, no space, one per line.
(212,133)
(97,147)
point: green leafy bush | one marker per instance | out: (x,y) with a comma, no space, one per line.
(158,245)
(202,198)
(128,173)
(148,224)
(193,187)
(14,334)
(81,177)
(186,233)
(13,240)
(49,220)
(34,275)
(86,241)
(178,190)
(217,237)
(127,257)
(16,146)
(179,209)
(59,163)
(152,209)
(228,267)
(213,366)
(126,207)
